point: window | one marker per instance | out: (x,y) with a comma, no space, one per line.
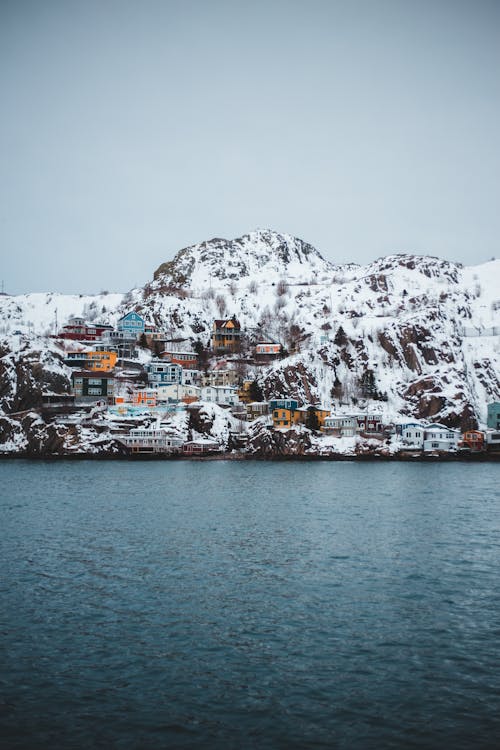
(95,392)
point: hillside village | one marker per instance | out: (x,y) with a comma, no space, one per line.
(395,367)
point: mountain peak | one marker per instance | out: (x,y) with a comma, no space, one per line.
(261,253)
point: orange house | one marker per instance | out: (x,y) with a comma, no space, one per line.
(473,439)
(103,361)
(144,397)
(226,335)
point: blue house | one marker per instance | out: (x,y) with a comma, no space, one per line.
(494,415)
(131,323)
(283,403)
(161,372)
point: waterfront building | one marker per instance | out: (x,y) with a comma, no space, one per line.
(438,437)
(493,421)
(151,440)
(473,439)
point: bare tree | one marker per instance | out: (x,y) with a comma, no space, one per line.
(220,301)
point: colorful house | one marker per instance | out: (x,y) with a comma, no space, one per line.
(267,350)
(306,412)
(146,397)
(494,415)
(88,387)
(187,360)
(101,360)
(200,447)
(226,335)
(131,323)
(78,330)
(473,439)
(284,412)
(160,372)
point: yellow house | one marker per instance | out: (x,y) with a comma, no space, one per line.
(226,335)
(321,415)
(283,417)
(103,361)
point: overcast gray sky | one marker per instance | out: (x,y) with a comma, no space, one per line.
(129,130)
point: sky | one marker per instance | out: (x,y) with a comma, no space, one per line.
(129,130)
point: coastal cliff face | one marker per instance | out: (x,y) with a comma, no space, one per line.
(417,334)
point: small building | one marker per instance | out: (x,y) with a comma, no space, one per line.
(492,439)
(77,329)
(160,372)
(131,323)
(146,397)
(438,437)
(412,435)
(341,425)
(473,440)
(101,360)
(173,393)
(89,386)
(76,359)
(151,440)
(493,421)
(187,360)
(267,350)
(305,415)
(256,409)
(199,447)
(226,335)
(220,377)
(224,395)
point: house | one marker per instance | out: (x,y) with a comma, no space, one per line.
(146,397)
(220,377)
(172,393)
(187,360)
(226,335)
(256,409)
(78,330)
(493,421)
(224,395)
(437,437)
(341,425)
(412,435)
(101,360)
(76,359)
(132,323)
(305,415)
(472,439)
(151,440)
(284,412)
(88,387)
(267,350)
(492,439)
(200,447)
(159,372)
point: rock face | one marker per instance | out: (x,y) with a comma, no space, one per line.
(418,335)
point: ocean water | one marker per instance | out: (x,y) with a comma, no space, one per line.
(249,605)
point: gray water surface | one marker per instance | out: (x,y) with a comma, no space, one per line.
(249,605)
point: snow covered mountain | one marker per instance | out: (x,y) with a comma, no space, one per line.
(413,335)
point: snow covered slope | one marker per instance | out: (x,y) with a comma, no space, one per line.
(409,334)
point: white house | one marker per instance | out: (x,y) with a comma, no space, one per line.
(492,439)
(173,392)
(412,436)
(224,395)
(437,437)
(343,425)
(151,440)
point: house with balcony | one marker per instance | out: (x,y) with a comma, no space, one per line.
(412,435)
(438,437)
(223,395)
(151,440)
(88,387)
(131,324)
(160,372)
(341,425)
(226,336)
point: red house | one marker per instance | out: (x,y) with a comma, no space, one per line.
(473,439)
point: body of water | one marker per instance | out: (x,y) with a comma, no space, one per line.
(249,605)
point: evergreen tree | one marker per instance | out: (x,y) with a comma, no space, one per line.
(312,421)
(340,337)
(255,391)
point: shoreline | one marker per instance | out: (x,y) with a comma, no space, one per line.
(399,457)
